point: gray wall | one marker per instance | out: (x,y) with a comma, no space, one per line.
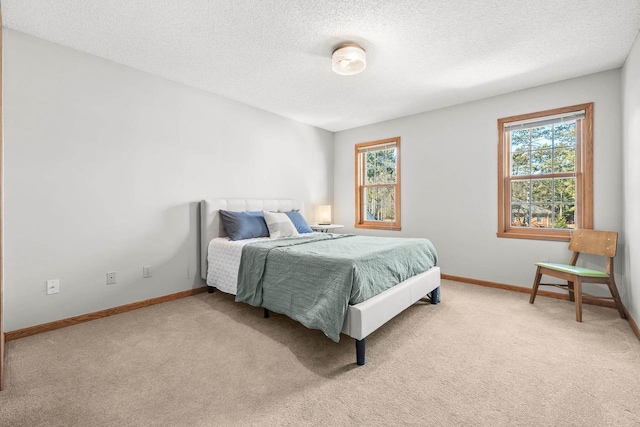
(449,177)
(631,167)
(103,168)
(104,165)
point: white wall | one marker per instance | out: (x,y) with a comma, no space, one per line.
(449,177)
(104,166)
(631,168)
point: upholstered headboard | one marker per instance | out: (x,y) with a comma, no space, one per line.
(211,226)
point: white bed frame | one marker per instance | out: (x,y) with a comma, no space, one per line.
(362,319)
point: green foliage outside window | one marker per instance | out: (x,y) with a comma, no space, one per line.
(380,169)
(547,202)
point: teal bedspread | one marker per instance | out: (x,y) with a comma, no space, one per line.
(313,279)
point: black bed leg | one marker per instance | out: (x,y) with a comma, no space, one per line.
(210,289)
(266,313)
(434,295)
(360,350)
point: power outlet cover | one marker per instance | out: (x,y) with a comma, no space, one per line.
(111,278)
(146,271)
(53,286)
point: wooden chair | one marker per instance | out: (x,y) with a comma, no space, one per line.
(593,242)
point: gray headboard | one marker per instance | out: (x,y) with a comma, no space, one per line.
(211,226)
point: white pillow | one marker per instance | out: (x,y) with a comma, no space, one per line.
(279,225)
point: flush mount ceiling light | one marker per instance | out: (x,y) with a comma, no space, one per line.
(348,59)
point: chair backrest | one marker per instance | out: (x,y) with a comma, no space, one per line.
(595,242)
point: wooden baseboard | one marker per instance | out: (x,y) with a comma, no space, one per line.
(32,330)
(541,292)
(2,364)
(632,323)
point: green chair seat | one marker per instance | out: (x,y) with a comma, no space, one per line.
(571,269)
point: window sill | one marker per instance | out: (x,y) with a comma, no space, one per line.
(551,235)
(370,226)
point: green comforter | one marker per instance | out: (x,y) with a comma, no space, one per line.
(313,279)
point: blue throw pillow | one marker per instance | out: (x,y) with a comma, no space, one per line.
(299,222)
(244,225)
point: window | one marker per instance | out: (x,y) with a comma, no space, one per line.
(545,173)
(378,184)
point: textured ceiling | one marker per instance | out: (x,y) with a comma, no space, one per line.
(275,54)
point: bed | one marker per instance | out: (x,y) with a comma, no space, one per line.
(360,319)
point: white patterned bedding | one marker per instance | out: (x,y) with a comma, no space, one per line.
(223,257)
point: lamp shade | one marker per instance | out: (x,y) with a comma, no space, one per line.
(349,59)
(324,214)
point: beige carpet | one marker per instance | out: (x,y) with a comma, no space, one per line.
(482,357)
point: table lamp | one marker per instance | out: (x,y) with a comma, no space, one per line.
(324,214)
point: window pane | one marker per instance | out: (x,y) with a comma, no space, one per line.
(520,190)
(565,216)
(519,215)
(520,164)
(542,191)
(520,140)
(564,159)
(541,137)
(381,167)
(564,190)
(541,216)
(565,134)
(379,204)
(541,161)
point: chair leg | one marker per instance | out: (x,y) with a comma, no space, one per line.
(616,296)
(534,288)
(572,297)
(578,297)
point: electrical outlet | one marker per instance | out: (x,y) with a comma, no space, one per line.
(53,286)
(146,271)
(111,277)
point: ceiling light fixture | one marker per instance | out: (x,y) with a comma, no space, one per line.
(348,59)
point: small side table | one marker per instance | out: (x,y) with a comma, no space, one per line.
(324,228)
